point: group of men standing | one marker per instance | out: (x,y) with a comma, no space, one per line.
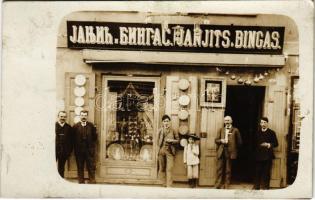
(229,139)
(82,139)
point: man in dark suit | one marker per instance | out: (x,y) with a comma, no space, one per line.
(228,139)
(84,147)
(64,141)
(266,140)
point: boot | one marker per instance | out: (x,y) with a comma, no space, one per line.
(191,183)
(195,182)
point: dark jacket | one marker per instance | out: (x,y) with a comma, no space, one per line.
(264,153)
(84,138)
(234,139)
(63,140)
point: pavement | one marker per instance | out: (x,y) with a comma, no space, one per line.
(238,186)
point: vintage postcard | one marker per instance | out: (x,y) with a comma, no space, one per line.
(202,99)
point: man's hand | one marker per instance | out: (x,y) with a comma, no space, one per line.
(223,141)
(171,141)
(265,144)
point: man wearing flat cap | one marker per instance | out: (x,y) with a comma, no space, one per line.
(266,140)
(228,140)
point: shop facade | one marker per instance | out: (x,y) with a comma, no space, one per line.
(128,69)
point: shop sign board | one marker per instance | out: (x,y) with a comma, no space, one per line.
(205,38)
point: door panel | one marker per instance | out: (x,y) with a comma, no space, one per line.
(275,110)
(211,122)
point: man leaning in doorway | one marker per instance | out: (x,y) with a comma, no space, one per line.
(228,140)
(266,140)
(64,141)
(166,149)
(84,147)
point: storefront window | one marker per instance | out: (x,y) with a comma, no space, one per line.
(130,124)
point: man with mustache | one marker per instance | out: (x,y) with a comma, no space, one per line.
(64,141)
(84,147)
(266,140)
(228,140)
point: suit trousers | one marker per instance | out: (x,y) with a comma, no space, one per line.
(224,168)
(169,166)
(83,158)
(61,160)
(262,174)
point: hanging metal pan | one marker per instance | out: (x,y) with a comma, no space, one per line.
(184,100)
(183,114)
(183,129)
(183,84)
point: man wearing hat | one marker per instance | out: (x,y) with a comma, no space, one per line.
(266,140)
(228,140)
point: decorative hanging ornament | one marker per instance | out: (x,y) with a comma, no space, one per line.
(261,77)
(248,82)
(227,72)
(233,77)
(266,74)
(256,79)
(240,81)
(218,69)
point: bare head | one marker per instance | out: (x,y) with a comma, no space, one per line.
(83,115)
(166,121)
(62,116)
(228,120)
(264,122)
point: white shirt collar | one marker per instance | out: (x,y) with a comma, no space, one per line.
(83,123)
(61,124)
(264,129)
(228,127)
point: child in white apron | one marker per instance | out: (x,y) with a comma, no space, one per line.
(191,160)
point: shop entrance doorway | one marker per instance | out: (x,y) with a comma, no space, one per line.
(245,105)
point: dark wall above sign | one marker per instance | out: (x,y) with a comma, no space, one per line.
(175,37)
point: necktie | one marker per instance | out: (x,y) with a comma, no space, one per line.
(227,130)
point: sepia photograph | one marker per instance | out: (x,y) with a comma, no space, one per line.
(185,101)
(124,79)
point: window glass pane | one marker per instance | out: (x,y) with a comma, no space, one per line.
(130,131)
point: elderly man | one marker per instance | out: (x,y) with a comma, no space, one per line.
(266,141)
(84,147)
(228,139)
(64,143)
